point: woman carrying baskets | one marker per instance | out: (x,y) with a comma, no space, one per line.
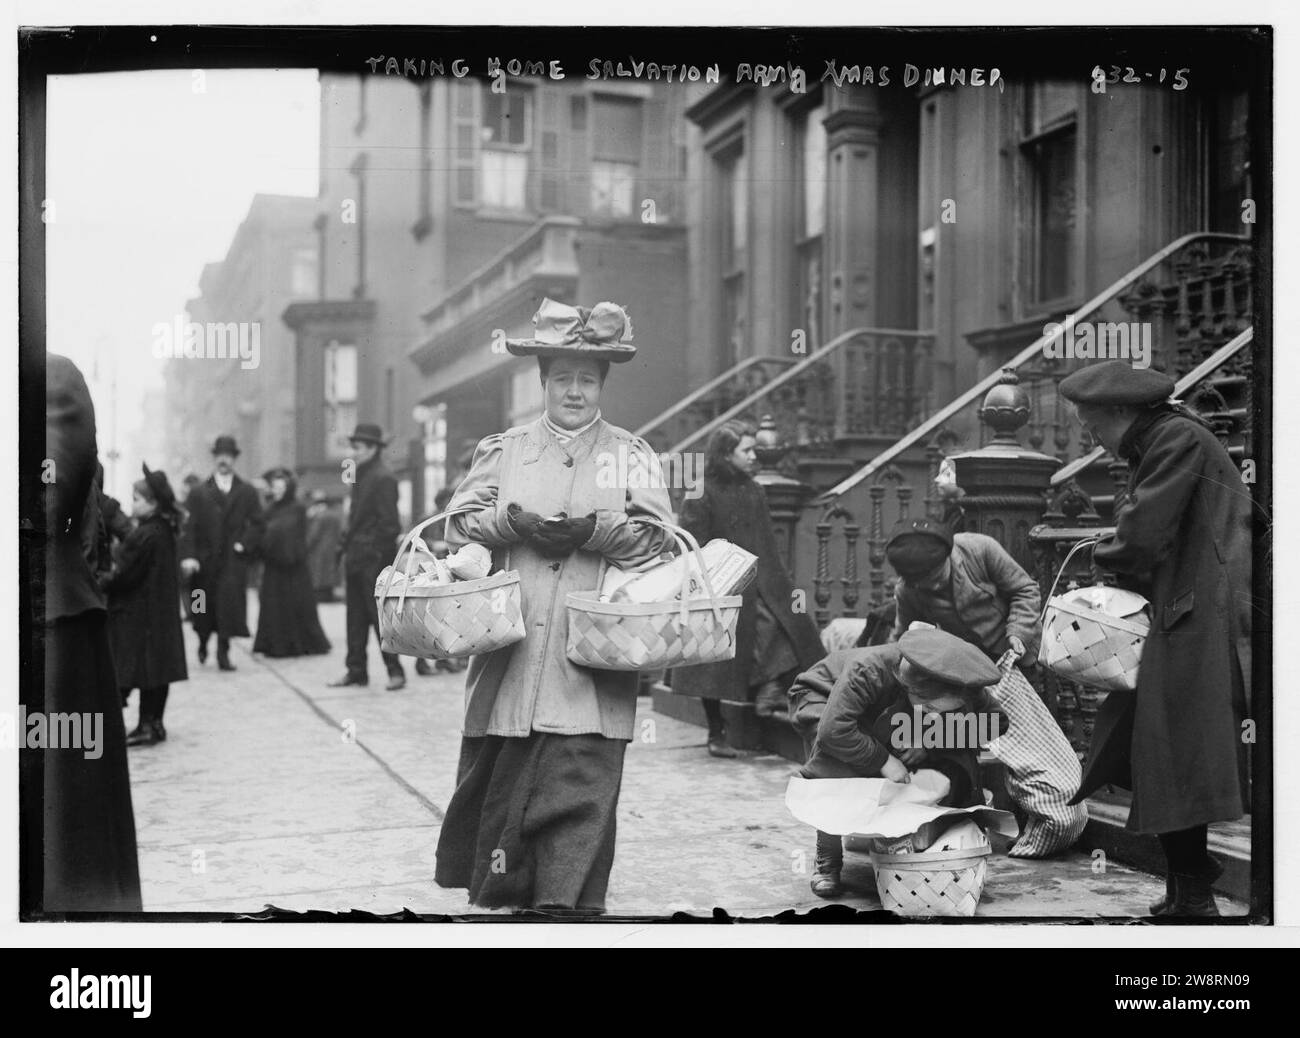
(1183,539)
(532,820)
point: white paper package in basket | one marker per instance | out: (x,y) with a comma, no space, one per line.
(730,568)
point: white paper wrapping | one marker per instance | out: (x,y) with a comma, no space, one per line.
(876,807)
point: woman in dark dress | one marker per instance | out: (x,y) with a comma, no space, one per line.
(143,616)
(773,642)
(287,624)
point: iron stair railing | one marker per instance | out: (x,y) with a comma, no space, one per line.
(1034,349)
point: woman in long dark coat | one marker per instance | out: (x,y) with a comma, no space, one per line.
(143,617)
(773,642)
(287,622)
(1183,539)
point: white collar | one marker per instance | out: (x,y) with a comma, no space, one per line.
(565,435)
(224,482)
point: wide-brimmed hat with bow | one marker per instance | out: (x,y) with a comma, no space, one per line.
(602,332)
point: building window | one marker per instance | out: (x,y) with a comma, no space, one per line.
(733,183)
(505,138)
(464,153)
(1049,150)
(340,398)
(302,276)
(616,154)
(809,153)
(612,186)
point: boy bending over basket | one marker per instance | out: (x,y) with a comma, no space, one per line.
(886,711)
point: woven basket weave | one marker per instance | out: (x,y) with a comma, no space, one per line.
(932,883)
(648,636)
(1091,645)
(449,620)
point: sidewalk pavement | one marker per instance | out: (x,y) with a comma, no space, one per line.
(273,789)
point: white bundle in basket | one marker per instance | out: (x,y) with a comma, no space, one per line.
(730,568)
(471,562)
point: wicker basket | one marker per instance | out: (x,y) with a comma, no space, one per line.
(1091,643)
(932,883)
(449,620)
(653,635)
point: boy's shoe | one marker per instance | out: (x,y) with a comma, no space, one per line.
(718,746)
(826,878)
(1174,891)
(771,701)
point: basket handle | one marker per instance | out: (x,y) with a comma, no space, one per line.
(410,541)
(1087,542)
(687,539)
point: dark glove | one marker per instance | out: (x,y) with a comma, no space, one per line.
(552,540)
(581,530)
(524,524)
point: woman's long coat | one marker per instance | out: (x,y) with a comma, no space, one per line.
(1183,539)
(734,507)
(287,621)
(144,616)
(531,686)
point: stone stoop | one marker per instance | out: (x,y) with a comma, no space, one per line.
(1107,812)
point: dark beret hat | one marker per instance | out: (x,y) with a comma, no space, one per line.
(917,546)
(945,657)
(1117,382)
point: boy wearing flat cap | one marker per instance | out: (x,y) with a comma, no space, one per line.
(868,727)
(1183,539)
(966,584)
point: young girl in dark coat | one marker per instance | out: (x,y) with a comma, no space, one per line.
(143,611)
(773,642)
(287,621)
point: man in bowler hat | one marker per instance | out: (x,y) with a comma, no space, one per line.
(368,546)
(223,533)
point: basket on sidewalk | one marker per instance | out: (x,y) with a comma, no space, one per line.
(653,635)
(448,620)
(932,883)
(1094,635)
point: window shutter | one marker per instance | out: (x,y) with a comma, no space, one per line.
(552,150)
(465,141)
(658,180)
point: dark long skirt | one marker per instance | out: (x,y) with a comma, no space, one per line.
(532,821)
(287,621)
(88,827)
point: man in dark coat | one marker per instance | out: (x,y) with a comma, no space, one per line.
(223,533)
(368,546)
(1183,539)
(78,829)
